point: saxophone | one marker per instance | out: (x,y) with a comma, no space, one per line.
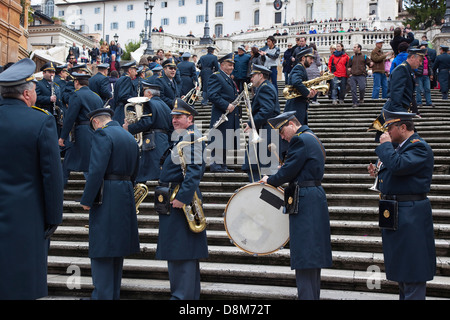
(290,92)
(194,211)
(56,109)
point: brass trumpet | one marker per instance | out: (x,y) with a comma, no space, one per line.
(194,94)
(290,92)
(377,125)
(374,187)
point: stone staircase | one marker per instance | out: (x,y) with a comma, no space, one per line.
(230,273)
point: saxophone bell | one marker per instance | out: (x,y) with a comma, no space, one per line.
(193,212)
(140,193)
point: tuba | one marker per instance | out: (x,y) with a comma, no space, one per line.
(194,211)
(290,92)
(133,116)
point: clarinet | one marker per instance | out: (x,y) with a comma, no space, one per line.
(56,109)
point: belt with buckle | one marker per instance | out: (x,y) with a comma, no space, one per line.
(404,197)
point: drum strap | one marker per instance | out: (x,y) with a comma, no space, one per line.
(320,144)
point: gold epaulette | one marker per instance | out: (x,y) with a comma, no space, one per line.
(42,110)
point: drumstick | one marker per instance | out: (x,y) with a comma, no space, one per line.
(273,148)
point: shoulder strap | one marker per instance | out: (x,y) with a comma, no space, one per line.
(41,110)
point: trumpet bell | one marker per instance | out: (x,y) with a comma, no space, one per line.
(374,186)
(377,125)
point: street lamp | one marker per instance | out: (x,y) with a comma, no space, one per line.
(286,2)
(446,26)
(116,38)
(148,5)
(206,39)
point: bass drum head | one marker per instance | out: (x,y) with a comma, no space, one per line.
(254,219)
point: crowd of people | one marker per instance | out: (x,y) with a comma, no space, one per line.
(351,70)
(85,117)
(104,54)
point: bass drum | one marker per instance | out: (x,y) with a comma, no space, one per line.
(254,219)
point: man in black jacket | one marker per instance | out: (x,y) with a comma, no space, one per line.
(398,38)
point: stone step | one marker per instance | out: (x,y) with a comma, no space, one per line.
(147,279)
(230,273)
(350,235)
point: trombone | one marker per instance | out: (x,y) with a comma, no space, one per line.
(254,137)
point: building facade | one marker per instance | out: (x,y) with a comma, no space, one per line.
(13,30)
(128,19)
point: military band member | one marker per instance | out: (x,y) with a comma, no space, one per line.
(176,242)
(296,78)
(82,102)
(157,69)
(69,88)
(405,178)
(170,89)
(61,74)
(264,106)
(309,221)
(31,204)
(402,83)
(140,76)
(49,94)
(188,74)
(222,91)
(99,83)
(402,86)
(442,67)
(208,64)
(125,88)
(109,195)
(156,128)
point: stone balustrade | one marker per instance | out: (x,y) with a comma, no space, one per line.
(323,41)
